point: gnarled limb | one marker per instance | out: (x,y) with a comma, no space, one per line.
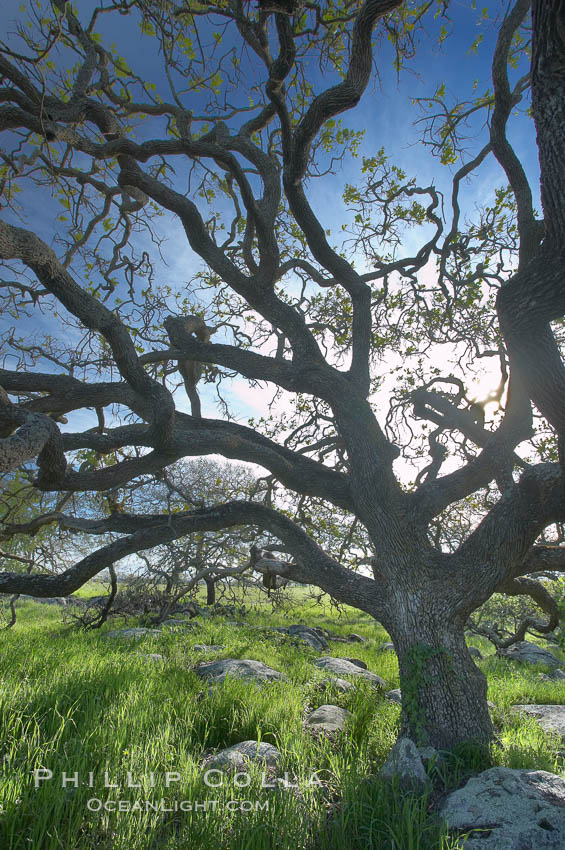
(311,564)
(499,548)
(433,496)
(530,230)
(535,296)
(35,435)
(16,243)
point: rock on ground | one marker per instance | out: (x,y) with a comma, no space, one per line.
(529,653)
(551,718)
(395,695)
(515,809)
(240,755)
(302,627)
(179,624)
(355,638)
(357,662)
(50,600)
(205,647)
(554,676)
(240,668)
(386,647)
(314,637)
(430,755)
(327,718)
(310,640)
(404,763)
(129,634)
(341,667)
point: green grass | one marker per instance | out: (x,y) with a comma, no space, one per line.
(80,703)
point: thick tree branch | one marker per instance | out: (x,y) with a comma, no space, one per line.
(548,105)
(542,558)
(202,437)
(535,296)
(66,393)
(504,102)
(35,435)
(312,564)
(438,409)
(496,457)
(296,154)
(24,245)
(498,548)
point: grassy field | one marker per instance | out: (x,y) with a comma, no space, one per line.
(85,704)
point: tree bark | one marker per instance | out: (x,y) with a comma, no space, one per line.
(210,590)
(443,691)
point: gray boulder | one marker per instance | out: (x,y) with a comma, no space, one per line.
(240,668)
(155,657)
(341,667)
(355,638)
(357,662)
(205,647)
(240,755)
(386,647)
(311,640)
(130,634)
(529,653)
(327,718)
(300,627)
(404,763)
(430,755)
(551,718)
(179,624)
(51,600)
(554,676)
(56,600)
(312,637)
(512,809)
(395,695)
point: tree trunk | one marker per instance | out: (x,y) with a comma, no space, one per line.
(210,591)
(444,694)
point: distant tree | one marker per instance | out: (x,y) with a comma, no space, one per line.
(227,143)
(206,557)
